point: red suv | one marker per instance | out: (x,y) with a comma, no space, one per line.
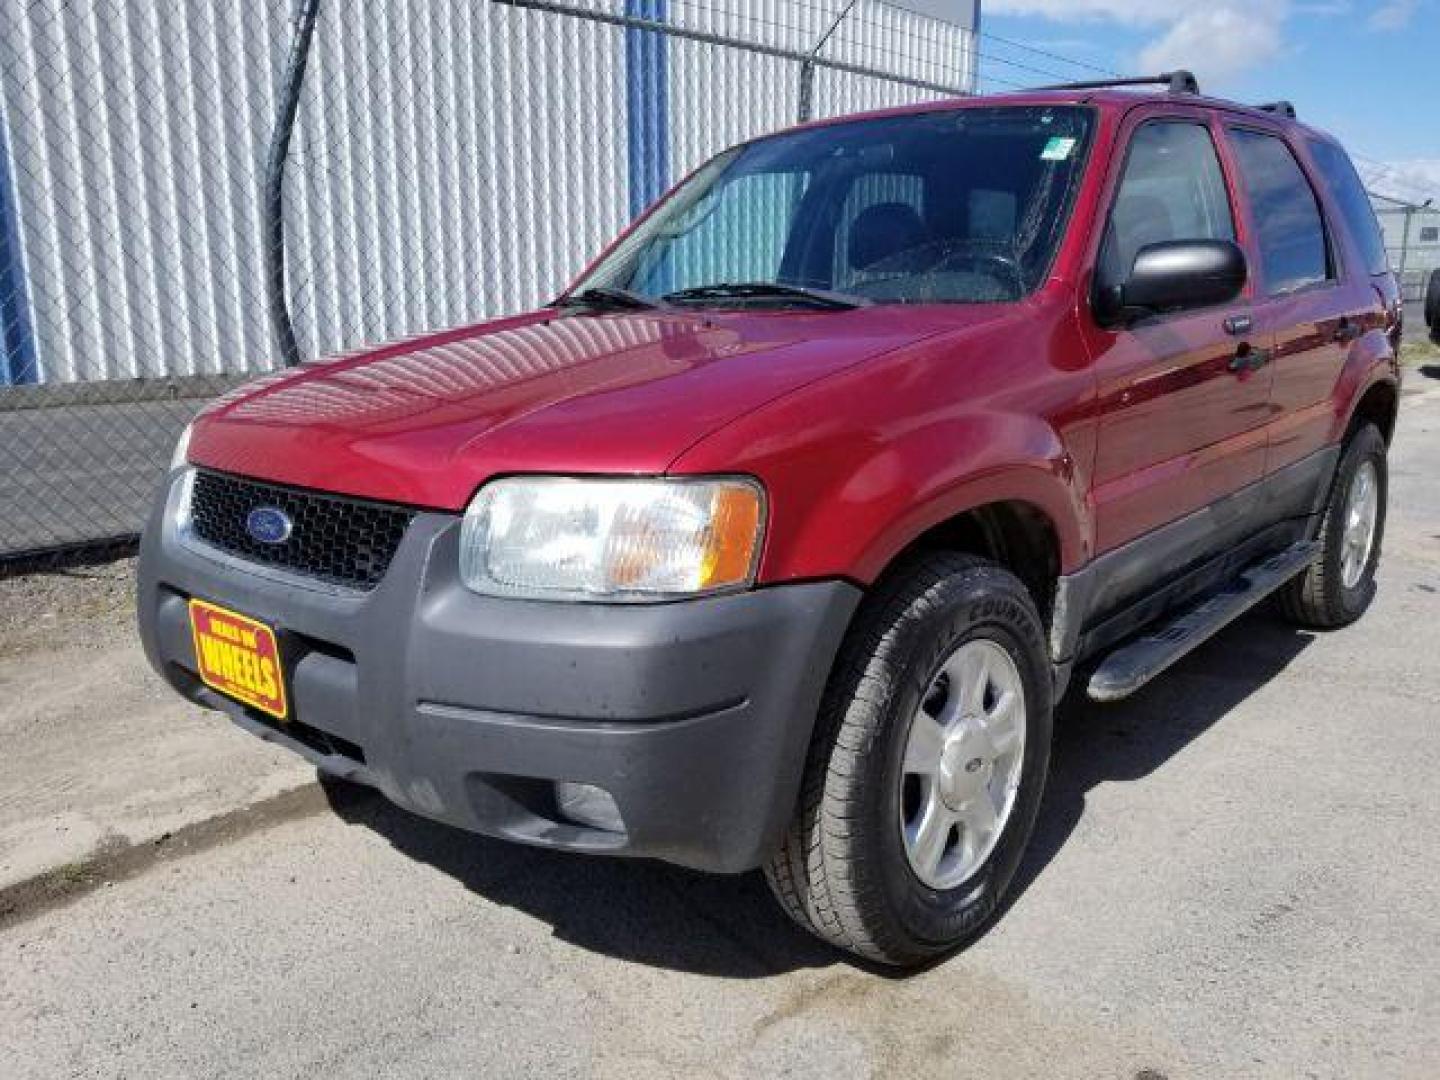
(774,540)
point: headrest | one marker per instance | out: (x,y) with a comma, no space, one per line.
(883,230)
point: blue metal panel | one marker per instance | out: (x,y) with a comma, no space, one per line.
(17,336)
(647,106)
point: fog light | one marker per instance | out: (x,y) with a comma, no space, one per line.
(587,804)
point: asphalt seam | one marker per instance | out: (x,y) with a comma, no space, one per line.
(24,900)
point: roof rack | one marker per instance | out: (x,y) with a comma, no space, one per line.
(1176,82)
(1281,108)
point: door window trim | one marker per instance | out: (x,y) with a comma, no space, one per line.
(1239,223)
(1334,261)
(1334,209)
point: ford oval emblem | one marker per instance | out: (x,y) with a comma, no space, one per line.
(269,525)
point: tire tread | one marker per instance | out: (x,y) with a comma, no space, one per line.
(816,874)
(1313,599)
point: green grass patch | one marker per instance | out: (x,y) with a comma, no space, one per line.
(1419,353)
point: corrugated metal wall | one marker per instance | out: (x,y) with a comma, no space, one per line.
(469,172)
(453,159)
(136,132)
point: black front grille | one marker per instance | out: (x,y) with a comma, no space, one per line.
(337,540)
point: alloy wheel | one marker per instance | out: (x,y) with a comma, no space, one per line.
(962,764)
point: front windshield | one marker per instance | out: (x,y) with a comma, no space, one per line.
(959,206)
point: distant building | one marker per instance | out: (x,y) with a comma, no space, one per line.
(452,159)
(1412,238)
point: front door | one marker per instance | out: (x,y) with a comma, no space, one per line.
(1183,397)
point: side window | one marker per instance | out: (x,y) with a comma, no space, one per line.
(1349,194)
(1289,229)
(1172,189)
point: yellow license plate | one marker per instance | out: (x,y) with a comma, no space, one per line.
(238,656)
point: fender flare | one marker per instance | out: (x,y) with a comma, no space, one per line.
(1357,380)
(1048,487)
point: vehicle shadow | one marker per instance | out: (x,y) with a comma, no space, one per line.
(632,909)
(1129,740)
(730,927)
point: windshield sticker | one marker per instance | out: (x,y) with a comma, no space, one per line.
(1057,148)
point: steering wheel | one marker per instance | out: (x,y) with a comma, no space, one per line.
(982,255)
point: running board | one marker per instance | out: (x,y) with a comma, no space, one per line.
(1132,665)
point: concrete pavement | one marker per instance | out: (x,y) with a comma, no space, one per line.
(96,754)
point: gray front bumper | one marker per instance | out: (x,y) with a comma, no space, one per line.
(695,716)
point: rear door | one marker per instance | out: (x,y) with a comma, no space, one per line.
(1181,408)
(1310,313)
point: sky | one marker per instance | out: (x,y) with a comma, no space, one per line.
(1366,70)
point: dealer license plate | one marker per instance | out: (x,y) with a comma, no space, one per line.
(238,656)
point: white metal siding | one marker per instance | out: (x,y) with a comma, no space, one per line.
(469,169)
(453,160)
(136,166)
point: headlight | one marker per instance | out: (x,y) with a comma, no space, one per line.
(182,448)
(617,540)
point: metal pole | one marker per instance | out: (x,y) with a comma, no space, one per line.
(274,205)
(17,333)
(972,70)
(1405,249)
(807,66)
(807,89)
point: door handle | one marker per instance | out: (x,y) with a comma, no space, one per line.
(1235,325)
(1248,359)
(1348,330)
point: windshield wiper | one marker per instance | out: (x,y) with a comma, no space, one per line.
(607,296)
(765,290)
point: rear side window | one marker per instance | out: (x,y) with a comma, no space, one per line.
(1340,177)
(1172,189)
(1289,229)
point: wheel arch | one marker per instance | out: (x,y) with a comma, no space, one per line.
(1378,404)
(1017,534)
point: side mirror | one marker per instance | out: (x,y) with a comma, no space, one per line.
(1175,275)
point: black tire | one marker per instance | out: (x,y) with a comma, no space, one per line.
(843,872)
(1432,301)
(1319,598)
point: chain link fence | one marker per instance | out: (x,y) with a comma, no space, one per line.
(1412,241)
(130,279)
(450,160)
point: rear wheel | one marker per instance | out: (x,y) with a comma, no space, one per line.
(1339,584)
(927,767)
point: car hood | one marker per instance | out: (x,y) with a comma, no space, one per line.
(425,422)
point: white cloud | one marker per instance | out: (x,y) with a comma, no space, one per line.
(1218,44)
(1415,180)
(1217,41)
(1127,11)
(1069,46)
(1393,15)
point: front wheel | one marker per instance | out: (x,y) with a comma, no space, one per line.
(927,767)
